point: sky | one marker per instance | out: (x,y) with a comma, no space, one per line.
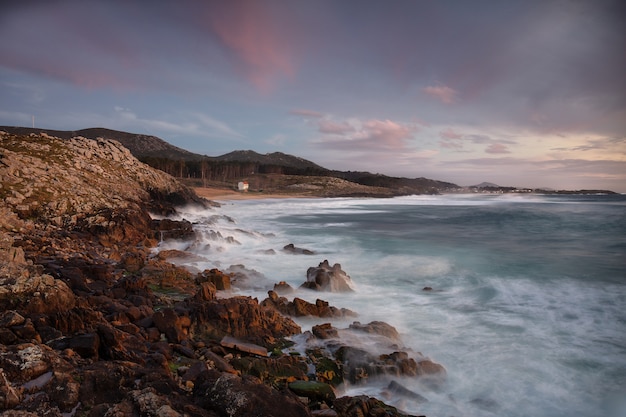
(523,93)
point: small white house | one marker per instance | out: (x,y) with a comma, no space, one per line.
(242,186)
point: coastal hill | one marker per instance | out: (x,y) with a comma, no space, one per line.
(274,172)
(95,321)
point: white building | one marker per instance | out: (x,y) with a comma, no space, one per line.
(242,186)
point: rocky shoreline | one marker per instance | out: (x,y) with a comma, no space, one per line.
(95,322)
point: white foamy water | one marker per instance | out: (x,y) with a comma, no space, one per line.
(528,307)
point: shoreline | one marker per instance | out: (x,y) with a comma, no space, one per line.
(225,194)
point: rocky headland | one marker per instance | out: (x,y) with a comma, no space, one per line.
(96,321)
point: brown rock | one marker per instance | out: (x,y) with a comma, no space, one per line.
(364,406)
(231,395)
(216,277)
(327,278)
(242,318)
(174,327)
(377,327)
(325,331)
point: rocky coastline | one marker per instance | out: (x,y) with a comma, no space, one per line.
(96,322)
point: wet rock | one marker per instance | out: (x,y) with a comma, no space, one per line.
(242,318)
(325,331)
(291,248)
(377,327)
(327,278)
(313,390)
(216,277)
(283,288)
(274,371)
(364,406)
(398,389)
(235,396)
(173,229)
(299,307)
(169,323)
(232,343)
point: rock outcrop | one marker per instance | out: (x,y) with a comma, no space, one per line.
(327,278)
(93,323)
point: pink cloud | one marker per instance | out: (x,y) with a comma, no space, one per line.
(450,134)
(442,93)
(334,128)
(387,134)
(369,136)
(449,144)
(306,113)
(497,148)
(262,51)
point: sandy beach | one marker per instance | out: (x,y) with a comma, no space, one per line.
(224,194)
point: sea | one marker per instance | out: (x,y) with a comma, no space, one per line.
(527,302)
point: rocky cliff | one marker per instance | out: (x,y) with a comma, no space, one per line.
(93,323)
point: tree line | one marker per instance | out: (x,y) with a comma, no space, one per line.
(215,170)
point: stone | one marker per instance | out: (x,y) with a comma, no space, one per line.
(291,248)
(232,343)
(313,390)
(398,389)
(327,278)
(325,331)
(242,318)
(168,323)
(220,280)
(86,345)
(364,406)
(377,327)
(234,396)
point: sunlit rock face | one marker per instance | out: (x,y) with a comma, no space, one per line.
(81,182)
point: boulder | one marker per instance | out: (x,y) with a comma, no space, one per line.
(215,277)
(234,396)
(291,248)
(300,308)
(242,318)
(364,406)
(327,278)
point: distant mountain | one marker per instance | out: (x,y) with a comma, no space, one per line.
(485,185)
(237,164)
(275,158)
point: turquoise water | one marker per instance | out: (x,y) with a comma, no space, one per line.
(528,307)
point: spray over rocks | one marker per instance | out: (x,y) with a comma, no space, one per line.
(97,321)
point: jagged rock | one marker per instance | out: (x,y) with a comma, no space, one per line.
(174,327)
(325,331)
(37,294)
(398,389)
(299,307)
(274,371)
(216,277)
(242,318)
(327,278)
(283,288)
(377,327)
(291,248)
(172,229)
(235,396)
(364,406)
(232,343)
(86,345)
(313,390)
